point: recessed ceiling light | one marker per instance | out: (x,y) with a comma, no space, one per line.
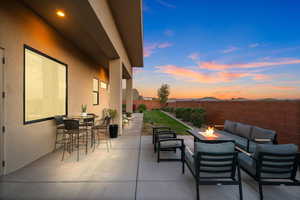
(60,13)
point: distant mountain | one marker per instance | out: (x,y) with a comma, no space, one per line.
(240,99)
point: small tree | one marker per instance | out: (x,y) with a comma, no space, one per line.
(163,93)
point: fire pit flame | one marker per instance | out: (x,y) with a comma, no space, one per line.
(209,132)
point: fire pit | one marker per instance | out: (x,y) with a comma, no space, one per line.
(209,133)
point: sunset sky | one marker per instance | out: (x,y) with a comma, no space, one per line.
(224,49)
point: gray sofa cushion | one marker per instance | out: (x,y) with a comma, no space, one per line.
(243,130)
(279,148)
(189,158)
(230,126)
(261,133)
(239,141)
(247,162)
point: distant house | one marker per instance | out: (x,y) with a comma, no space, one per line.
(148,98)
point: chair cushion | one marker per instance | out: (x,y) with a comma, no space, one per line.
(170,144)
(230,126)
(252,147)
(189,158)
(226,147)
(165,136)
(247,162)
(243,130)
(240,141)
(277,149)
(261,133)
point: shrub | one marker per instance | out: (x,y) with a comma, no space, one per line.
(198,117)
(179,112)
(171,109)
(142,108)
(187,114)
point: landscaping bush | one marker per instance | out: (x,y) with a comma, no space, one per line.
(187,114)
(142,108)
(179,112)
(168,109)
(198,117)
(171,110)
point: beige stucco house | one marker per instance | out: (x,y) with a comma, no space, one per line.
(95,39)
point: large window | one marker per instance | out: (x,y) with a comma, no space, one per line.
(45,86)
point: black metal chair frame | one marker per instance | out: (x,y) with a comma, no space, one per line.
(181,147)
(215,180)
(161,133)
(59,130)
(157,129)
(73,139)
(260,165)
(103,127)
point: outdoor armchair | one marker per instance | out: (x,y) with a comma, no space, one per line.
(171,144)
(272,165)
(101,131)
(214,163)
(163,134)
(156,129)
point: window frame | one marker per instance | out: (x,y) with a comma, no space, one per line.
(24,84)
(96,92)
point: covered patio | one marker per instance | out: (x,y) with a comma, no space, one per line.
(128,171)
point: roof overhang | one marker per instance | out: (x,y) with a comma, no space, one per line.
(129,20)
(83,28)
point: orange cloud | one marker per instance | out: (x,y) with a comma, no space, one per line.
(274,87)
(150,49)
(216,66)
(196,76)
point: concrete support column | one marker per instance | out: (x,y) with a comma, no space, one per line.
(115,82)
(129,95)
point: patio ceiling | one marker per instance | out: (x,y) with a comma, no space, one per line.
(82,27)
(128,16)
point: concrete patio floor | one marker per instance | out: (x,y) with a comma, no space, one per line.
(128,171)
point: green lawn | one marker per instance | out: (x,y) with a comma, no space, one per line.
(160,119)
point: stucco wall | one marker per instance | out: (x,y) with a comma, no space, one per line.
(19,26)
(281,116)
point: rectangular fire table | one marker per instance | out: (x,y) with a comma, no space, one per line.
(200,136)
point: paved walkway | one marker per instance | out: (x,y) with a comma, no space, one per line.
(128,172)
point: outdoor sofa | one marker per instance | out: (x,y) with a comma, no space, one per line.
(247,137)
